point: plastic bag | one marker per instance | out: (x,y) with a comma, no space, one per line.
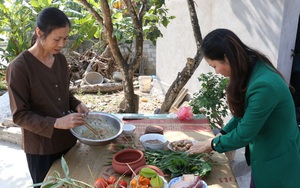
(185,113)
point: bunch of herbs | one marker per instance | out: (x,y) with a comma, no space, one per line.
(179,163)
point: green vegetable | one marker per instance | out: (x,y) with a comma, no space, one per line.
(148,172)
(178,163)
(156,182)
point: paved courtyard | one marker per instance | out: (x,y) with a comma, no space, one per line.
(13,169)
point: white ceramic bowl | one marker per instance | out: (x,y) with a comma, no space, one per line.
(177,179)
(128,129)
(153,141)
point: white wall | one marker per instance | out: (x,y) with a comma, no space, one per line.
(288,37)
(269,26)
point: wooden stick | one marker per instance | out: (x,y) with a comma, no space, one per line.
(91,128)
(179,97)
(88,126)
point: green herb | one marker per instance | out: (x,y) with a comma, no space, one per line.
(178,163)
(130,143)
(57,181)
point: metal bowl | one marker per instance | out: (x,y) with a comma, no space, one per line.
(100,119)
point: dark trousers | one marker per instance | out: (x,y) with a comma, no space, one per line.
(39,165)
(252,183)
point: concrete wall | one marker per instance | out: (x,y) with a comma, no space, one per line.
(269,26)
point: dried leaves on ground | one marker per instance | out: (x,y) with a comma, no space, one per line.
(109,102)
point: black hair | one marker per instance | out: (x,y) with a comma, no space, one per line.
(50,19)
(242,59)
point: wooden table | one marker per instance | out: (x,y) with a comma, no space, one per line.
(86,163)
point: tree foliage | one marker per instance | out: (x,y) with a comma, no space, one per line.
(18,19)
(16,27)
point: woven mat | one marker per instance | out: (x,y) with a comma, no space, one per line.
(86,163)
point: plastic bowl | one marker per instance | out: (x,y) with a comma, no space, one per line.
(133,157)
(153,141)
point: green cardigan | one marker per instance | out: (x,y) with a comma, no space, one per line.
(270,129)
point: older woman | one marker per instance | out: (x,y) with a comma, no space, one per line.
(38,86)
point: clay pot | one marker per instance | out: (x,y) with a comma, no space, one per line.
(133,157)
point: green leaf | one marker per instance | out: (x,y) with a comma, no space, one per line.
(157,182)
(65,166)
(205,169)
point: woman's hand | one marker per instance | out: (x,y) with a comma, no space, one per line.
(70,121)
(201,147)
(81,108)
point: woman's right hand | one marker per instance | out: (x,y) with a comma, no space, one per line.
(70,121)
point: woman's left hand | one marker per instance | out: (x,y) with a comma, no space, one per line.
(201,147)
(81,108)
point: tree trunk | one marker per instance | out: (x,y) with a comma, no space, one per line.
(191,64)
(130,102)
(127,68)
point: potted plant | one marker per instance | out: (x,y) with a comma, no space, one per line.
(211,99)
(211,102)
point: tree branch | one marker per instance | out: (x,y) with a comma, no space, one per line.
(196,30)
(109,34)
(137,21)
(92,11)
(191,64)
(132,12)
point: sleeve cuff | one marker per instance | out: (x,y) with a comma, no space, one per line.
(212,145)
(223,132)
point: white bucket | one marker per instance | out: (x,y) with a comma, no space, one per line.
(93,78)
(145,83)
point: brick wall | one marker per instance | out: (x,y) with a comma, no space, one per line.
(148,64)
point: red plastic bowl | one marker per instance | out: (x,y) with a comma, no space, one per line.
(133,157)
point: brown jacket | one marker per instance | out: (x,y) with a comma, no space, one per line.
(38,95)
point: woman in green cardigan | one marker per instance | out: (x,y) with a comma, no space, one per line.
(263,110)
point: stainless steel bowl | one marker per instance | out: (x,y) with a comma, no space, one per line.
(104,119)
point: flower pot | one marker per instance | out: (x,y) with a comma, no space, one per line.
(133,157)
